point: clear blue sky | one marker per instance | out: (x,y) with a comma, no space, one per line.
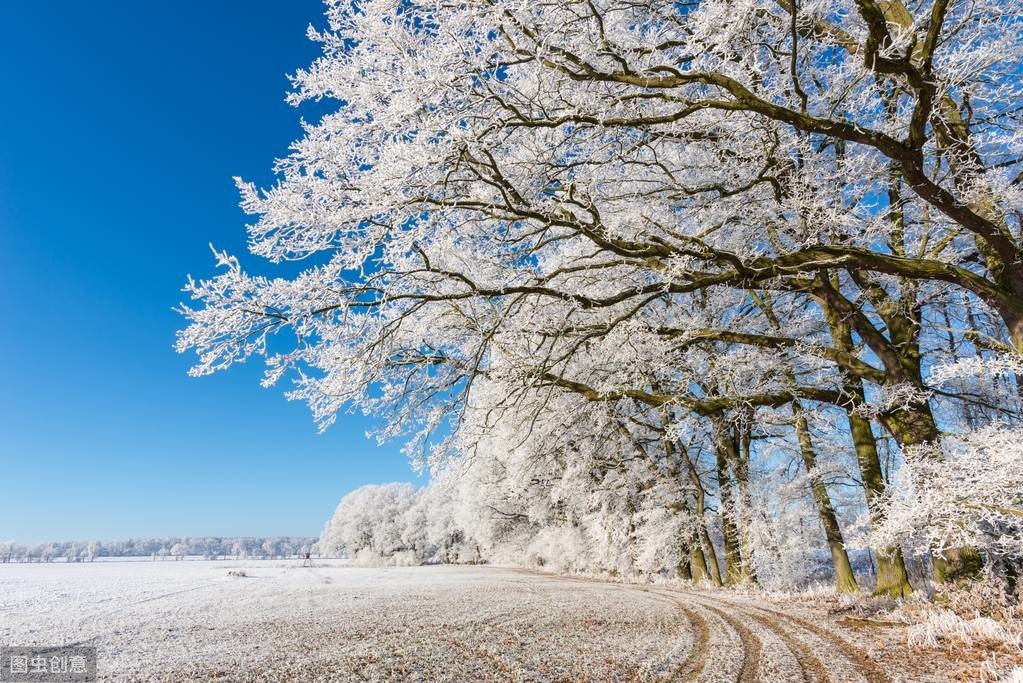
(121,125)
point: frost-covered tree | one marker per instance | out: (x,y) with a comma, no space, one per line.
(93,550)
(652,265)
(371,525)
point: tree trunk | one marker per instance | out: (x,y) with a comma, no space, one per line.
(892,579)
(736,571)
(710,556)
(911,426)
(742,460)
(845,579)
(957,564)
(733,559)
(698,562)
(704,547)
(704,557)
(684,567)
(917,427)
(703,562)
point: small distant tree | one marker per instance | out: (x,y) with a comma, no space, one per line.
(72,553)
(178,551)
(92,550)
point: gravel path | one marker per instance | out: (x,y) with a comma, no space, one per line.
(178,621)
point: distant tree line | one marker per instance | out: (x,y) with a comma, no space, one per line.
(208,547)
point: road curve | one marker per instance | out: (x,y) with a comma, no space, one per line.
(731,639)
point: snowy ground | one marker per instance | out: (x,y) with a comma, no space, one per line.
(179,621)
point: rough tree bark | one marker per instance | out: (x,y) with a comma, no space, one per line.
(845,579)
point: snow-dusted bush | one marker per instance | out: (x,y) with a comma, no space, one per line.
(969,493)
(368,557)
(660,536)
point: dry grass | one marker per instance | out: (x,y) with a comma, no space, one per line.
(977,625)
(944,627)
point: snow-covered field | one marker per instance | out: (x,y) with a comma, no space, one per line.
(191,621)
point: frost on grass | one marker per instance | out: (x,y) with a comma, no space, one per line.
(944,626)
(179,621)
(190,620)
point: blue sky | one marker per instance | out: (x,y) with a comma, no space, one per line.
(122,125)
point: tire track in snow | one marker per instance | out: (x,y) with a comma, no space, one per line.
(696,660)
(751,645)
(725,655)
(710,645)
(803,638)
(810,668)
(749,669)
(695,647)
(790,637)
(870,670)
(853,655)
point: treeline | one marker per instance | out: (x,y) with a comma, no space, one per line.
(209,547)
